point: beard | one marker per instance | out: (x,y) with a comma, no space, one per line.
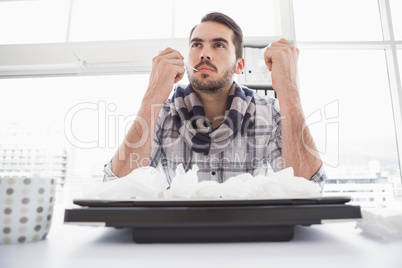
(211,86)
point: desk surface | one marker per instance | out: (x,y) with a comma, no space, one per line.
(326,245)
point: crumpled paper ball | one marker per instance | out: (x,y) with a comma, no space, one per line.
(384,223)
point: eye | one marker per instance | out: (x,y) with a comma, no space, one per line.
(219,45)
(196,44)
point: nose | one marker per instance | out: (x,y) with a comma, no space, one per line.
(205,55)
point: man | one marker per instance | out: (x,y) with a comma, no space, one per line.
(222,127)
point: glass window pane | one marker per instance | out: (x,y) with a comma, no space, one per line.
(341,20)
(86,116)
(346,99)
(399,53)
(33,21)
(59,94)
(396,7)
(96,20)
(258,22)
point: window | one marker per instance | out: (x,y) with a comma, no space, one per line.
(105,36)
(396,5)
(125,19)
(121,20)
(24,22)
(356,124)
(263,14)
(46,21)
(400,63)
(344,20)
(86,117)
(348,93)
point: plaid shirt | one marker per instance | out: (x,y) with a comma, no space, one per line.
(257,151)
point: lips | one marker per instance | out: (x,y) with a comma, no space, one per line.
(206,67)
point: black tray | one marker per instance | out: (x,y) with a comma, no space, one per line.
(211,220)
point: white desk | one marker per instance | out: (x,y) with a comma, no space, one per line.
(338,245)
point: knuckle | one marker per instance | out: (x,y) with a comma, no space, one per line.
(286,50)
(294,49)
(156,60)
(168,49)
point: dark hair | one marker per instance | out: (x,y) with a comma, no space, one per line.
(229,22)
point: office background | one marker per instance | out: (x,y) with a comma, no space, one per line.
(73,73)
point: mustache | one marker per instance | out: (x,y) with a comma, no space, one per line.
(208,63)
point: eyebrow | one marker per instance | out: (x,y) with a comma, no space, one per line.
(219,39)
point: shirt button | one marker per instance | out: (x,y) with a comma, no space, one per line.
(213,173)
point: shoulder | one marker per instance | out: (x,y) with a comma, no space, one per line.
(263,102)
(266,108)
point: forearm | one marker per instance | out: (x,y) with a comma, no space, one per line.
(298,147)
(135,151)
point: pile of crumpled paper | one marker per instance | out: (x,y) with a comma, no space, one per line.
(150,183)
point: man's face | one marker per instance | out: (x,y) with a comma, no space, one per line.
(212,52)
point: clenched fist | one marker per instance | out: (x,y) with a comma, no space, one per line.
(281,59)
(167,69)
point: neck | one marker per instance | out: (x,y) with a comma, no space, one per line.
(214,104)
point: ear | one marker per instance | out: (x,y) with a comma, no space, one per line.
(239,66)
